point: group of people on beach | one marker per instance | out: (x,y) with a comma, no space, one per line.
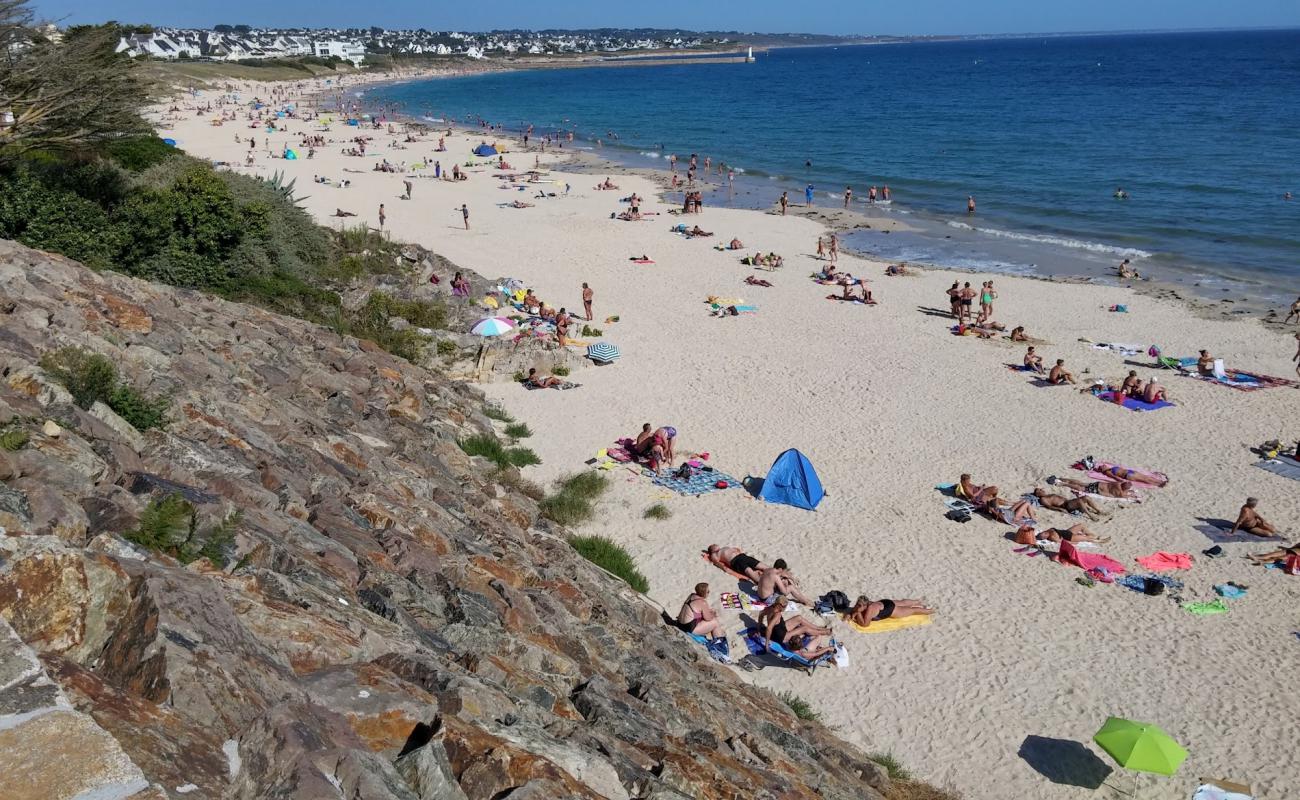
(772,587)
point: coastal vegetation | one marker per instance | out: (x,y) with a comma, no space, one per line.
(801,707)
(658,511)
(574,500)
(91,378)
(488,446)
(170,525)
(612,557)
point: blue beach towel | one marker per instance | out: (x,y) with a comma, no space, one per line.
(699,483)
(719,649)
(1134,404)
(1138,583)
(757,646)
(1285,466)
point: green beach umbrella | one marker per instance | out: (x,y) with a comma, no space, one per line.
(1139,746)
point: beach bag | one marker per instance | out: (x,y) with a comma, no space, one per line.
(684,472)
(1270,449)
(1291,566)
(836,600)
(1153,587)
(959,515)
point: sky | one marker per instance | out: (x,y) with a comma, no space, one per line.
(915,17)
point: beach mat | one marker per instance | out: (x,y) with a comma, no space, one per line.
(891,624)
(1217,531)
(1134,404)
(1137,480)
(699,483)
(1245,381)
(1285,466)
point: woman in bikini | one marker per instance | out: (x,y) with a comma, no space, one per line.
(1075,533)
(697,616)
(796,634)
(865,612)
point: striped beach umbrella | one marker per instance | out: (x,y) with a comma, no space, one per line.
(603,352)
(492,326)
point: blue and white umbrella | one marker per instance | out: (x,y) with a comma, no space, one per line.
(492,326)
(602,352)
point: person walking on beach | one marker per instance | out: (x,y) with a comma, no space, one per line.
(835,248)
(821,248)
(954,299)
(970,204)
(1295,311)
(884,193)
(808,195)
(382,217)
(464,214)
(785,202)
(587,296)
(848,195)
(408,186)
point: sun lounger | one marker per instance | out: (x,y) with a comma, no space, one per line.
(757,645)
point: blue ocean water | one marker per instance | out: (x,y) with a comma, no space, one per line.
(1199,128)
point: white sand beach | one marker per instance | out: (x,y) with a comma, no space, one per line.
(1021,664)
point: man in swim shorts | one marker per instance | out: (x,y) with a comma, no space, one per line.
(1070,505)
(778,580)
(1059,373)
(737,561)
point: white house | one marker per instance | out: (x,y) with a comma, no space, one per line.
(348,51)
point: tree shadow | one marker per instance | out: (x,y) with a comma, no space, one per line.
(1064,761)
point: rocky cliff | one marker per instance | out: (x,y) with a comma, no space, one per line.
(394,621)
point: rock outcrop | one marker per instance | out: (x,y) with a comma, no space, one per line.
(395,621)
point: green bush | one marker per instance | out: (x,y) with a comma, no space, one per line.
(497,413)
(489,446)
(13,440)
(611,556)
(892,766)
(518,430)
(170,525)
(658,511)
(587,330)
(575,500)
(46,217)
(801,707)
(560,370)
(88,377)
(446,347)
(138,153)
(91,377)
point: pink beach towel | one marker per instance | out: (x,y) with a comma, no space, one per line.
(1161,561)
(1095,564)
(1148,479)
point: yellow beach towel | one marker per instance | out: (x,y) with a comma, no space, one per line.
(891,624)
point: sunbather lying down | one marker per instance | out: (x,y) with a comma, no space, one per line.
(795,634)
(1280,554)
(752,281)
(736,560)
(865,612)
(968,490)
(1075,533)
(1016,513)
(542,382)
(1070,505)
(1123,490)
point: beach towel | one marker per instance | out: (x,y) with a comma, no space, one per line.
(1243,381)
(1134,403)
(891,624)
(1019,368)
(1209,791)
(563,386)
(1285,466)
(1098,565)
(1217,531)
(642,260)
(1147,478)
(700,482)
(1138,583)
(718,302)
(1122,349)
(1160,561)
(719,649)
(1229,591)
(1208,608)
(757,646)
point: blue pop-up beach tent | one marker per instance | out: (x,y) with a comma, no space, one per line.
(485,150)
(793,481)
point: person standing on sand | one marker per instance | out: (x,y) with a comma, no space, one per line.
(821,248)
(587,296)
(1295,312)
(835,249)
(848,195)
(954,299)
(808,195)
(464,213)
(970,204)
(967,296)
(382,217)
(408,186)
(785,202)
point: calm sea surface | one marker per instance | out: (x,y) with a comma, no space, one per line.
(1202,130)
